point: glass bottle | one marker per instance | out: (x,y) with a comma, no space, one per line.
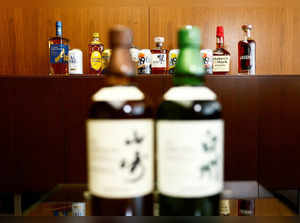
(95,55)
(246,207)
(159,57)
(120,132)
(105,60)
(190,136)
(58,53)
(221,57)
(247,52)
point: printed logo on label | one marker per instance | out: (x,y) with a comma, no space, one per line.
(96,60)
(59,53)
(159,60)
(173,60)
(221,63)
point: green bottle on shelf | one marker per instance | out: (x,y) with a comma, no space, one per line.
(189,69)
(190,138)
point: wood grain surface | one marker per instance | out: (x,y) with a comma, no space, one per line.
(25,27)
(43,141)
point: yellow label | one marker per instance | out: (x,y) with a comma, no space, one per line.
(96,60)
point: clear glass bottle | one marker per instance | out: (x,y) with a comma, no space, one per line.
(221,57)
(58,53)
(159,57)
(247,52)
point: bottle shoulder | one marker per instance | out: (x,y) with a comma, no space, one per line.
(58,39)
(221,52)
(189,110)
(158,51)
(131,109)
(189,103)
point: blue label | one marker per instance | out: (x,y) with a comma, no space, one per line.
(59,53)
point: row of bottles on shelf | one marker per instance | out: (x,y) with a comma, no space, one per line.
(155,61)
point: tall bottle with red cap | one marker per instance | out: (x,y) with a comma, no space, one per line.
(221,57)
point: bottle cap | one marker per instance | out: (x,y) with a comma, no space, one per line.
(246,27)
(96,35)
(159,39)
(120,36)
(189,36)
(220,31)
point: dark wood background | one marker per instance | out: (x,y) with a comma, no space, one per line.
(42,128)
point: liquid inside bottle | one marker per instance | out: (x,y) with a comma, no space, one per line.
(221,57)
(58,53)
(159,57)
(120,133)
(247,52)
(95,55)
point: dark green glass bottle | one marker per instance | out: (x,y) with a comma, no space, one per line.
(190,138)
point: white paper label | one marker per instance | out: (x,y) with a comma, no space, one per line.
(120,157)
(190,158)
(159,60)
(75,62)
(221,63)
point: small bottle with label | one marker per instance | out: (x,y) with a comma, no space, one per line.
(159,57)
(246,207)
(221,57)
(144,61)
(173,56)
(225,208)
(134,53)
(120,132)
(105,60)
(190,138)
(95,55)
(247,52)
(59,52)
(75,61)
(207,56)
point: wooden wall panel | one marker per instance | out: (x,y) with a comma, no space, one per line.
(24,48)
(275,31)
(25,27)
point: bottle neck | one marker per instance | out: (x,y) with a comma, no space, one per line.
(247,35)
(159,45)
(58,31)
(220,42)
(121,67)
(189,70)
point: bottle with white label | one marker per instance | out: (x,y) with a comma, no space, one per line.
(75,61)
(120,136)
(221,57)
(190,138)
(160,55)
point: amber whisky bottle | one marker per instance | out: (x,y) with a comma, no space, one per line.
(221,57)
(247,52)
(159,57)
(95,55)
(58,53)
(120,135)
